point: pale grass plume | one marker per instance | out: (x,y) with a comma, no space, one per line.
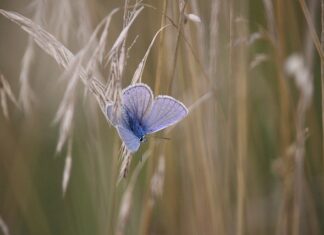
(66,14)
(91,55)
(65,112)
(101,49)
(122,36)
(157,180)
(43,39)
(57,50)
(248,39)
(3,227)
(295,66)
(83,17)
(5,95)
(67,168)
(61,19)
(137,77)
(27,97)
(98,53)
(117,56)
(258,59)
(117,59)
(254,37)
(83,65)
(122,60)
(113,90)
(54,48)
(192,17)
(73,73)
(126,157)
(66,122)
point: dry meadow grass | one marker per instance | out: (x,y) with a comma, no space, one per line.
(248,159)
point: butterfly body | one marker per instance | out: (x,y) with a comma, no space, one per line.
(142,115)
(135,125)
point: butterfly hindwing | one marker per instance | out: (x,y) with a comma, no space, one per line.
(165,112)
(130,140)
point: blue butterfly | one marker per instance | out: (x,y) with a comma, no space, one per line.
(140,115)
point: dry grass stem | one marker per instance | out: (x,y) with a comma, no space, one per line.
(6,93)
(311,28)
(214,36)
(182,7)
(247,159)
(268,5)
(200,100)
(126,200)
(296,67)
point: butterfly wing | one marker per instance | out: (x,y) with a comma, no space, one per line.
(137,100)
(137,108)
(165,112)
(130,140)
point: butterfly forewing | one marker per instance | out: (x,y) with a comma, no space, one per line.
(165,112)
(130,140)
(137,100)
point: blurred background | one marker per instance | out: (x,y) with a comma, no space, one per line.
(248,159)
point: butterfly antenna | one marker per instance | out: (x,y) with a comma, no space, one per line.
(162,138)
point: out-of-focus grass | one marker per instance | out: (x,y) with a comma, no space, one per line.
(247,159)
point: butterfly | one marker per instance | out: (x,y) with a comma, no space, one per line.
(141,115)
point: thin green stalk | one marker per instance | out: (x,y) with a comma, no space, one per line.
(322,76)
(241,86)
